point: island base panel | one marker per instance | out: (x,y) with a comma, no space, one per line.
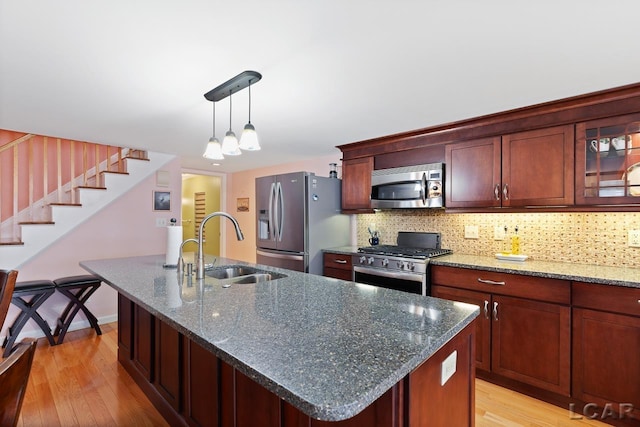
(209,392)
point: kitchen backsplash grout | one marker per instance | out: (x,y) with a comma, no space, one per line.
(584,238)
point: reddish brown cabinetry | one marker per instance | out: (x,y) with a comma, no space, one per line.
(356,183)
(606,345)
(532,168)
(521,316)
(338,266)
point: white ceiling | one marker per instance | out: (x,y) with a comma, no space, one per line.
(133,73)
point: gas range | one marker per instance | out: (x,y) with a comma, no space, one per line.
(398,257)
(402,266)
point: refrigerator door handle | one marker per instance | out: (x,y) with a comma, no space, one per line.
(272,193)
(294,257)
(280,211)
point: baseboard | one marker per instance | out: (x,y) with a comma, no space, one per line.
(77,325)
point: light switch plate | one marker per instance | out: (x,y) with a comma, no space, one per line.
(471,232)
(448,367)
(161,222)
(498,233)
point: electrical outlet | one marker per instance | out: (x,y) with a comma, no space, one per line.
(448,367)
(161,222)
(498,233)
(634,238)
(471,232)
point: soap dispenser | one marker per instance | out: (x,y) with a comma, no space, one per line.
(515,243)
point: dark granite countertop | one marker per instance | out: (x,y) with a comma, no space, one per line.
(329,347)
(589,273)
(343,250)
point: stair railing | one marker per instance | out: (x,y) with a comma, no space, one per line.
(38,171)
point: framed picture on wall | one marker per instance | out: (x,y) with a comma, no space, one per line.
(161,200)
(243,204)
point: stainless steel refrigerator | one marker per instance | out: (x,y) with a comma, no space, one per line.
(298,215)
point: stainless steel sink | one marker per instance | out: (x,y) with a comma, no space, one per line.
(241,274)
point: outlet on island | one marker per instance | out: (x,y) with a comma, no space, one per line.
(471,232)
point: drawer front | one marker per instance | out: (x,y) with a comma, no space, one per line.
(616,299)
(537,288)
(339,261)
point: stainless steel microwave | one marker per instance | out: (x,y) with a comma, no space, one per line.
(420,186)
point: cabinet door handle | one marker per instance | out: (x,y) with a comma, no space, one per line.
(495,311)
(491,282)
(340,261)
(486,309)
(505,191)
(496,191)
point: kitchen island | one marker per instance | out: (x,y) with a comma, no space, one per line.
(298,350)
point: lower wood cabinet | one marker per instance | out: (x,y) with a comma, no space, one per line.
(606,348)
(338,266)
(519,335)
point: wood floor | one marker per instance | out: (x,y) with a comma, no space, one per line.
(80,383)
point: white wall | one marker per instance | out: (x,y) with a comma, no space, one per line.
(127,227)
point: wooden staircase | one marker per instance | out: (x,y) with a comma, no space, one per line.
(44,180)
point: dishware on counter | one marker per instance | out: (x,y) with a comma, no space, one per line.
(511,257)
(603,146)
(374,240)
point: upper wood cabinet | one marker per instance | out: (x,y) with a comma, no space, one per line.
(533,168)
(356,183)
(608,161)
(473,174)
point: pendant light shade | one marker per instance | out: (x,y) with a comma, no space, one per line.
(213,150)
(249,138)
(230,144)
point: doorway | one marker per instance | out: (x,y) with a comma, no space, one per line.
(201,195)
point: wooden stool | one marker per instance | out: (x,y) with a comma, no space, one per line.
(39,291)
(77,289)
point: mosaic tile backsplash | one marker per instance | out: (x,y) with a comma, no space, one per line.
(584,238)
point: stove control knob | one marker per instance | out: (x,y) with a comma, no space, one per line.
(385,262)
(363,259)
(370,260)
(399,264)
(411,266)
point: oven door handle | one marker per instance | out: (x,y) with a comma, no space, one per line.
(390,274)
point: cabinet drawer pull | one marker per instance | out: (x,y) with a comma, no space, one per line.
(491,282)
(505,191)
(496,191)
(495,311)
(340,261)
(486,309)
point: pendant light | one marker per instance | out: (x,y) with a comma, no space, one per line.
(230,142)
(230,146)
(214,149)
(249,139)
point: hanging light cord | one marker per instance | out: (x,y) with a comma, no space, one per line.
(230,110)
(249,101)
(214,119)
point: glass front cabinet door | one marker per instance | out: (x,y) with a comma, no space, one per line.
(608,161)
